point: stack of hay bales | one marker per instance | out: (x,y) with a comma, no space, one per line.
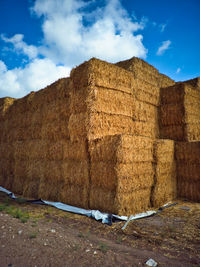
(164,188)
(102,101)
(147,94)
(179,112)
(188,170)
(122,173)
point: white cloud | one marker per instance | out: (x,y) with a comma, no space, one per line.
(110,36)
(178,70)
(162,27)
(165,45)
(20,46)
(36,75)
(73,31)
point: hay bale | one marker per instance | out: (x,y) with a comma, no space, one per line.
(179,112)
(189,190)
(188,169)
(102,74)
(120,165)
(165,81)
(164,188)
(194,82)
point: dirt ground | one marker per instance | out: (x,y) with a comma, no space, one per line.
(34,235)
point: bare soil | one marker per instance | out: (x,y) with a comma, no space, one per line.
(50,237)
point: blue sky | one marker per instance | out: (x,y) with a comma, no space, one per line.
(41,40)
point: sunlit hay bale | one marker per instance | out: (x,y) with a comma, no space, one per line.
(179,112)
(165,186)
(111,101)
(165,81)
(194,82)
(133,202)
(121,149)
(145,112)
(140,69)
(76,151)
(5,104)
(103,74)
(74,195)
(118,165)
(146,129)
(97,125)
(76,172)
(122,177)
(189,189)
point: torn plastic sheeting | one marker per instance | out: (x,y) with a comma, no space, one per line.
(96,214)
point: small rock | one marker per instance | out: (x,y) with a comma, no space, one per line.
(20,232)
(151,262)
(87,250)
(13,237)
(2,227)
(45,244)
(90,245)
(53,230)
(95,252)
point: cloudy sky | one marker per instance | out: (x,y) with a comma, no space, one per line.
(41,40)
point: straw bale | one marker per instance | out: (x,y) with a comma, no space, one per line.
(187,152)
(189,189)
(77,127)
(6,172)
(100,99)
(193,132)
(164,192)
(121,149)
(6,150)
(134,202)
(147,97)
(148,129)
(5,104)
(194,82)
(163,151)
(145,112)
(76,172)
(122,203)
(171,114)
(96,125)
(103,74)
(147,87)
(125,177)
(165,81)
(76,151)
(175,132)
(54,130)
(140,69)
(20,175)
(103,200)
(74,195)
(172,94)
(188,171)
